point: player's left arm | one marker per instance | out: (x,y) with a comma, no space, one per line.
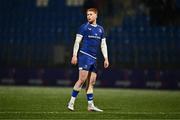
(104,52)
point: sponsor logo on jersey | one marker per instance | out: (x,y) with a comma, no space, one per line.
(94,37)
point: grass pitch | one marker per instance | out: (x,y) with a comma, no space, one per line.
(50,103)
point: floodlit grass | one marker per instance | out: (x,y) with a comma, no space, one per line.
(51,103)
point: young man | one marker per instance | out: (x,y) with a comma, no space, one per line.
(92,37)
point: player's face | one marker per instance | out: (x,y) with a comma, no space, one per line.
(91,17)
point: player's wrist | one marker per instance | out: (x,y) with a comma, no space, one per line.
(106,59)
(74,55)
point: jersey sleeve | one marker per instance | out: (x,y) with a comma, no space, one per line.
(103,34)
(81,30)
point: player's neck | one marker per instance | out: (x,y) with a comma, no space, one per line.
(93,24)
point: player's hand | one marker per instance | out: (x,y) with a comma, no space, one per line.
(74,60)
(106,63)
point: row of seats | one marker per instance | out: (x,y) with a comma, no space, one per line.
(29,34)
(139,43)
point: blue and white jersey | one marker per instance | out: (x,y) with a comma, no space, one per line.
(91,41)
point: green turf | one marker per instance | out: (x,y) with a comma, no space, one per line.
(50,103)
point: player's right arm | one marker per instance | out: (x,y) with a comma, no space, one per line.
(76,48)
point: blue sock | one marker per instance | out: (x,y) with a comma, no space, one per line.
(74,93)
(90,96)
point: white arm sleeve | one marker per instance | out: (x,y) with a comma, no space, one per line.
(104,48)
(76,44)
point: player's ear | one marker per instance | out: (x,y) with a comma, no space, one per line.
(96,16)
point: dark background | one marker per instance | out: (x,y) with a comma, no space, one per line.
(37,37)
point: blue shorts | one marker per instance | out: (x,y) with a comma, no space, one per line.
(86,62)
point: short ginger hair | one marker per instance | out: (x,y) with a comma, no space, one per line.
(92,9)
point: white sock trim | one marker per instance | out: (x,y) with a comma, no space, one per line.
(90,102)
(72,99)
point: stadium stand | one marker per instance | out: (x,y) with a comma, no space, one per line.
(29,34)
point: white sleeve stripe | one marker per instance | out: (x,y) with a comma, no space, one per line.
(79,35)
(104,39)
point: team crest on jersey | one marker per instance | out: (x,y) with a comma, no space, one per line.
(100,30)
(89,29)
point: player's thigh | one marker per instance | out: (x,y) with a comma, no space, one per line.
(83,74)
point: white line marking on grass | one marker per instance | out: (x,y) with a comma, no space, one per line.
(145,113)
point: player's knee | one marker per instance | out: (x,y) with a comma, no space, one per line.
(81,81)
(93,81)
(82,78)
